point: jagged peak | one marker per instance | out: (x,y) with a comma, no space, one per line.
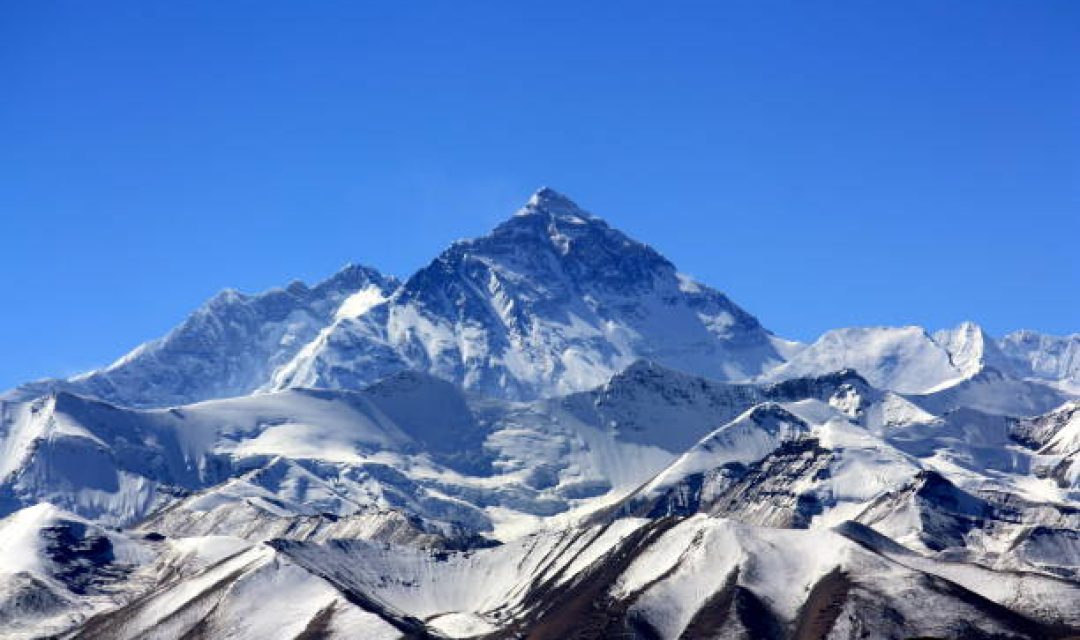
(354,277)
(770,410)
(548,216)
(799,385)
(970,326)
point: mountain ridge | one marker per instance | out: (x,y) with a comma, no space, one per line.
(553,300)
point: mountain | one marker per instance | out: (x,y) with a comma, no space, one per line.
(971,349)
(552,301)
(903,359)
(547,432)
(946,370)
(1054,358)
(228,347)
(994,391)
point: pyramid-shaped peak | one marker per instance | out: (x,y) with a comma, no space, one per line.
(549,202)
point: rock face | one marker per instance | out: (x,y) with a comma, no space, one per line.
(547,433)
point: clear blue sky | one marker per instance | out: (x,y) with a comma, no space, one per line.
(825,163)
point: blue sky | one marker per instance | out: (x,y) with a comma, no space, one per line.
(825,163)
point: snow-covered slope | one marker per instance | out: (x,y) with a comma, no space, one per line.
(411,457)
(57,568)
(815,462)
(1053,358)
(552,301)
(252,592)
(1056,437)
(289,455)
(903,359)
(228,347)
(992,391)
(699,577)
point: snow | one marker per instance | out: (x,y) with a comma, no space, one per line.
(207,550)
(360,302)
(462,625)
(20,538)
(971,349)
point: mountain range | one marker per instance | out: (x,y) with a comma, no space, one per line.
(546,432)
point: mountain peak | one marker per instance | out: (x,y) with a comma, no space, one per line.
(354,277)
(551,222)
(549,202)
(970,348)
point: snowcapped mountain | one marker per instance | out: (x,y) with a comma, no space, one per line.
(902,359)
(552,301)
(1053,358)
(950,369)
(229,346)
(547,432)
